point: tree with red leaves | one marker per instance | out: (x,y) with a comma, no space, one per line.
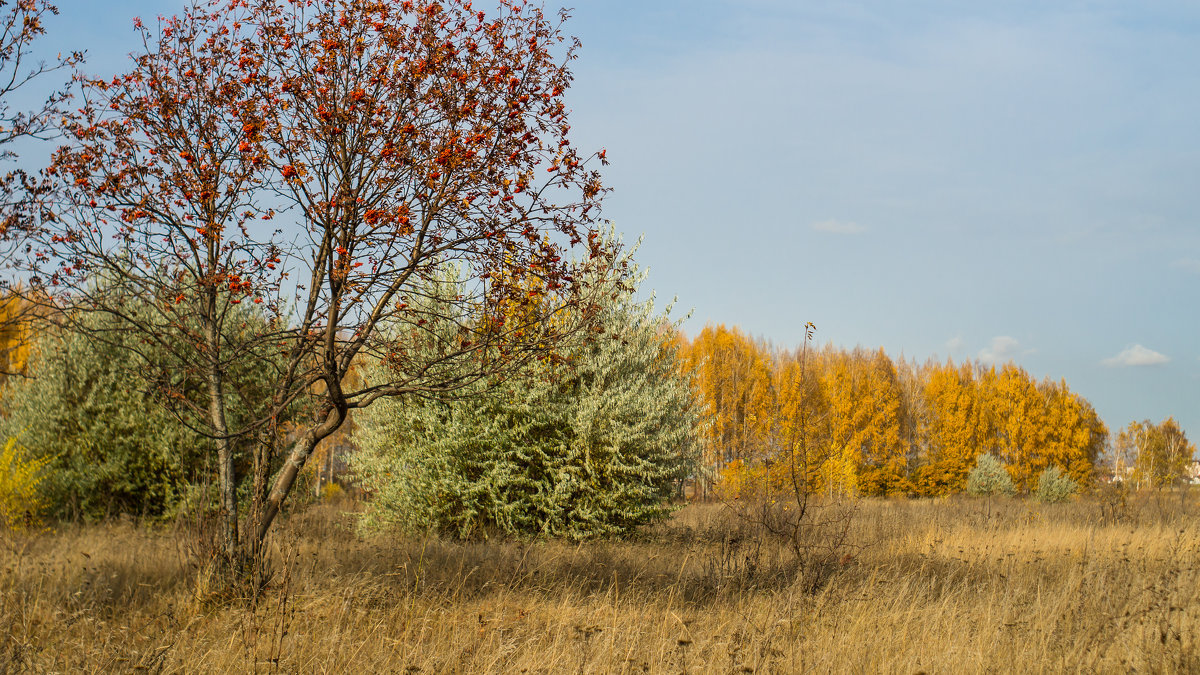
(388,143)
(21,24)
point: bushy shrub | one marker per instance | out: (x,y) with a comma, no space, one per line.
(989,477)
(109,417)
(1054,486)
(591,444)
(21,477)
(332,493)
(110,448)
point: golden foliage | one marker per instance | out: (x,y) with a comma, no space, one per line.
(865,410)
(859,423)
(21,476)
(15,333)
(733,375)
(742,480)
(954,429)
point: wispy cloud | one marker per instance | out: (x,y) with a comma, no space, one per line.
(1189,264)
(838,227)
(955,343)
(1002,348)
(1136,355)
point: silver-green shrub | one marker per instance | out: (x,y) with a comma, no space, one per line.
(989,477)
(110,413)
(111,448)
(592,446)
(1054,486)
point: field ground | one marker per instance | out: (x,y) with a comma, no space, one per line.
(954,586)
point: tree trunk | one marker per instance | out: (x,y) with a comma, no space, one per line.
(264,455)
(228,477)
(301,450)
(220,429)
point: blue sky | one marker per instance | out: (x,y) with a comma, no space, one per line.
(1019,180)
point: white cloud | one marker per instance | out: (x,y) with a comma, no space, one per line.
(955,343)
(838,227)
(1136,355)
(1002,348)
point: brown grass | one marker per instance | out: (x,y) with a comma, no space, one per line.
(954,586)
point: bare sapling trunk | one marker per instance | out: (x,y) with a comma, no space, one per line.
(785,505)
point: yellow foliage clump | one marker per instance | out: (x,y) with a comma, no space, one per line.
(15,333)
(856,423)
(733,381)
(741,480)
(332,493)
(21,476)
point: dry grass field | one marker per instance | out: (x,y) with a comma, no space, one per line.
(955,586)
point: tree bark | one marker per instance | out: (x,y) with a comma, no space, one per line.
(297,457)
(228,476)
(220,428)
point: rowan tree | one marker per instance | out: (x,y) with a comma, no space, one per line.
(397,138)
(156,223)
(22,22)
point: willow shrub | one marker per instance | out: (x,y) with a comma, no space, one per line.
(592,446)
(989,478)
(1055,486)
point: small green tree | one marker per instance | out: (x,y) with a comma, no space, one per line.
(989,477)
(590,444)
(1054,486)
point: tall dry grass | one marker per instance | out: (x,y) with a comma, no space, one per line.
(939,587)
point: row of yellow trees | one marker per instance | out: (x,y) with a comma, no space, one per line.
(857,422)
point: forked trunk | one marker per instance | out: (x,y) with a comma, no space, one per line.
(301,450)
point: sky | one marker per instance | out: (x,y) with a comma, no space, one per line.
(1012,180)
